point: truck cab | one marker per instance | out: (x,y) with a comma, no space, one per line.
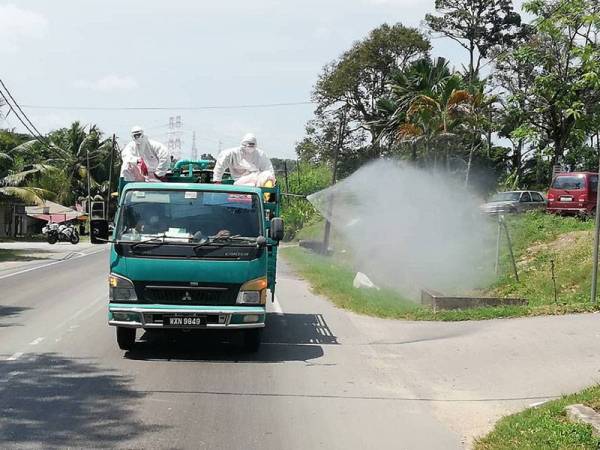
(192,255)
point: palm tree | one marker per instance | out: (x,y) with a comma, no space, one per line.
(71,150)
(422,78)
(27,194)
(433,116)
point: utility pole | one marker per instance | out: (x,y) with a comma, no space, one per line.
(340,142)
(596,234)
(89,197)
(110,174)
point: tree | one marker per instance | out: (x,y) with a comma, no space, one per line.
(69,150)
(28,195)
(561,107)
(421,78)
(429,105)
(476,25)
(358,79)
(75,148)
(513,77)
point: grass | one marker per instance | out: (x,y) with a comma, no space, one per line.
(542,241)
(537,240)
(545,427)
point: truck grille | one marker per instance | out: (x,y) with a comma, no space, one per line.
(186,294)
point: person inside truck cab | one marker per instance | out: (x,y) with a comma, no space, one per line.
(247,160)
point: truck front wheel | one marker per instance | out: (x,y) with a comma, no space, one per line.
(252,339)
(125,338)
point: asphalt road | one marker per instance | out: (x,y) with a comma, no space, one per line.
(323,378)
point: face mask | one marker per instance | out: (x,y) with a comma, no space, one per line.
(249,149)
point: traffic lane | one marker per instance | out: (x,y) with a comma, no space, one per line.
(275,400)
(31,255)
(46,302)
(193,392)
(302,389)
(41,283)
(197,392)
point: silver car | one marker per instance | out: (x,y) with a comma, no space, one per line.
(514,202)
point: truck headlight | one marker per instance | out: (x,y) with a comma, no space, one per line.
(120,289)
(253,292)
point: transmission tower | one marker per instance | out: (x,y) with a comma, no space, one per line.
(194,148)
(175,133)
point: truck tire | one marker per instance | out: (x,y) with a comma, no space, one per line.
(252,339)
(125,338)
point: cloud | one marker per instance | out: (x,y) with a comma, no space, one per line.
(108,83)
(18,24)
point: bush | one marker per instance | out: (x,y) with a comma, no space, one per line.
(305,180)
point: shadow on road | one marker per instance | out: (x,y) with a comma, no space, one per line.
(7,312)
(287,337)
(22,254)
(47,400)
(298,329)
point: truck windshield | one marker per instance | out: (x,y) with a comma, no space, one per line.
(187,216)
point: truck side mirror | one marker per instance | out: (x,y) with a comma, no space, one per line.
(276,229)
(98,231)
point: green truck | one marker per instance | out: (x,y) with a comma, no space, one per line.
(189,254)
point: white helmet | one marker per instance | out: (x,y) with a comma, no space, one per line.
(137,132)
(249,141)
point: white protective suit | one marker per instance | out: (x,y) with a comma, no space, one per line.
(247,164)
(153,153)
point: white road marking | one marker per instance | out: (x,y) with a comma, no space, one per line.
(48,265)
(535,405)
(15,356)
(277,307)
(37,341)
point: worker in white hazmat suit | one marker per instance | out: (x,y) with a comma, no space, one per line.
(144,159)
(247,164)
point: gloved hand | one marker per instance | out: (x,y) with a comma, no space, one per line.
(143,167)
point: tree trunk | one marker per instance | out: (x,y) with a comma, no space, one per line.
(469,165)
(517,157)
(559,149)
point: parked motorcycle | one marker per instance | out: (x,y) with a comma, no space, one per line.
(60,233)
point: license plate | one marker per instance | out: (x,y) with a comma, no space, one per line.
(185,321)
(566,199)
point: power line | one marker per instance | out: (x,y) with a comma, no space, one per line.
(19,108)
(167,108)
(36,134)
(17,116)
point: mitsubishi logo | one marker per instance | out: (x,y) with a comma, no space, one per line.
(187,297)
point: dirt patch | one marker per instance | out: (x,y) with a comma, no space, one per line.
(562,243)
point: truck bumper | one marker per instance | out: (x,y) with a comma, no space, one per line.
(213,317)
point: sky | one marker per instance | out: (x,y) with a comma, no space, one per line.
(186,54)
